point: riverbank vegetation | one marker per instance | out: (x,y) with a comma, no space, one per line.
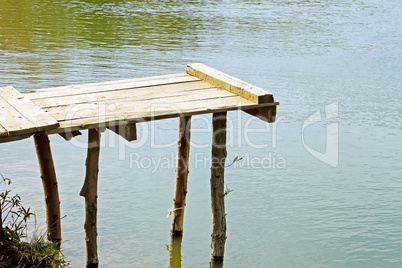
(15,250)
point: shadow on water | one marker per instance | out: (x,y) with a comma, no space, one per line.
(176,258)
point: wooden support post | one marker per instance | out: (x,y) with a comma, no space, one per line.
(179,200)
(217,185)
(89,191)
(50,189)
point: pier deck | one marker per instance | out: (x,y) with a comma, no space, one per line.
(118,106)
(71,108)
(20,117)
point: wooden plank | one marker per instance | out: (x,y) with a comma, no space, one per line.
(12,121)
(200,90)
(267,114)
(130,106)
(230,83)
(31,112)
(170,111)
(110,83)
(107,86)
(15,138)
(128,94)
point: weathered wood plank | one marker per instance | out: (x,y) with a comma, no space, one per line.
(12,121)
(128,94)
(169,111)
(111,83)
(151,108)
(15,138)
(107,86)
(31,112)
(267,114)
(230,83)
(152,98)
(129,105)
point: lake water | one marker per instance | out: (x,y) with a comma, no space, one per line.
(320,188)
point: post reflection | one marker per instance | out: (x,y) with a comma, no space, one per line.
(175,251)
(216,263)
(175,254)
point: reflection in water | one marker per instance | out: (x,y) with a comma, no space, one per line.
(310,53)
(216,263)
(175,251)
(48,44)
(42,26)
(175,254)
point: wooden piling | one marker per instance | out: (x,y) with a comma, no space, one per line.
(217,185)
(119,105)
(50,189)
(179,200)
(89,191)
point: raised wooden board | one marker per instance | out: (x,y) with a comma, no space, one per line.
(230,83)
(20,117)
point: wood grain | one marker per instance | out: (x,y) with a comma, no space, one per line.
(20,116)
(230,83)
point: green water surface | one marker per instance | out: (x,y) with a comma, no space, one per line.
(289,208)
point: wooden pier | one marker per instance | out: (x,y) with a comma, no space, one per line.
(118,106)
